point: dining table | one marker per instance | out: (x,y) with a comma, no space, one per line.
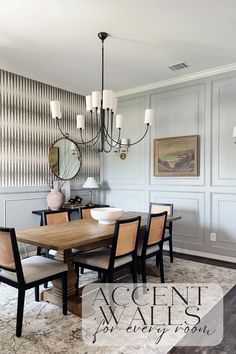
(64,238)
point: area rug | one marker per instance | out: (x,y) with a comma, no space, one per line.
(47,331)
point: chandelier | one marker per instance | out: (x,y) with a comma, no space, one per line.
(102,105)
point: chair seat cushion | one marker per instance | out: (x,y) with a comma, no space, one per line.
(100,258)
(36,268)
(150,249)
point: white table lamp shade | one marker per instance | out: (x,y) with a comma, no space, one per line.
(90,183)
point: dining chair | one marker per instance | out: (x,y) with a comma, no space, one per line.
(27,273)
(54,217)
(85,214)
(121,254)
(155,208)
(152,243)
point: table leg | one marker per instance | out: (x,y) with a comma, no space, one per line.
(54,294)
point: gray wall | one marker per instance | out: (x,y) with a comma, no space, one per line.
(206,203)
(27,131)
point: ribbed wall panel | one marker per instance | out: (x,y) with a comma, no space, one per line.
(27,131)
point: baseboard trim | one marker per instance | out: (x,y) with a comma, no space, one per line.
(218,257)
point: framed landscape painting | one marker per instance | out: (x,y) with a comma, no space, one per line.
(177,156)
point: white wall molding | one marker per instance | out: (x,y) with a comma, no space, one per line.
(207,203)
(203,254)
(179,112)
(185,78)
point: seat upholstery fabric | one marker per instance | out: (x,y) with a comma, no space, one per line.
(100,258)
(150,249)
(36,268)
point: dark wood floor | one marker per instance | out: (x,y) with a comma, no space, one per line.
(228,344)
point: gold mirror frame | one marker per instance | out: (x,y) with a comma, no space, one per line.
(54,159)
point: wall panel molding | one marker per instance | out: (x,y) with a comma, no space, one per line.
(130,171)
(224,221)
(190,229)
(223,120)
(178,112)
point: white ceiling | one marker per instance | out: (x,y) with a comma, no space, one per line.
(55,41)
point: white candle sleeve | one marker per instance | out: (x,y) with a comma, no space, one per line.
(80,121)
(118,121)
(96,99)
(234,132)
(89,106)
(148,116)
(107,99)
(55,109)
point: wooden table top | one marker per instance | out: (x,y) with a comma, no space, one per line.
(75,234)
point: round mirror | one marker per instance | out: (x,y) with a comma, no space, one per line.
(65,158)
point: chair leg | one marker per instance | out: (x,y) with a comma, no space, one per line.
(81,270)
(161,267)
(133,270)
(138,266)
(99,275)
(104,277)
(36,293)
(45,285)
(171,244)
(157,261)
(110,277)
(64,294)
(143,264)
(20,311)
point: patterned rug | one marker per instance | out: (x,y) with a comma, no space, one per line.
(47,331)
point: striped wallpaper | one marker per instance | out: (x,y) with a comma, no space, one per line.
(27,131)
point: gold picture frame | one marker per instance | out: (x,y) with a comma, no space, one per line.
(176,156)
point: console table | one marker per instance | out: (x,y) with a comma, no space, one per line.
(69,209)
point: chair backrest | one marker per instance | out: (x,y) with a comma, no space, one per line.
(85,213)
(156,208)
(9,252)
(156,228)
(125,238)
(56,217)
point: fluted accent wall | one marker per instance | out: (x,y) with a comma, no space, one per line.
(27,131)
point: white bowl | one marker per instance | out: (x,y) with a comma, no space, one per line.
(106,215)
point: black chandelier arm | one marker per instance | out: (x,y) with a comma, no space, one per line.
(65,135)
(106,150)
(128,145)
(89,141)
(138,141)
(94,140)
(113,140)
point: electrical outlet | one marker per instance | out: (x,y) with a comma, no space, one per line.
(213,236)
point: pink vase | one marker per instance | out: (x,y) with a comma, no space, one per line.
(55,199)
